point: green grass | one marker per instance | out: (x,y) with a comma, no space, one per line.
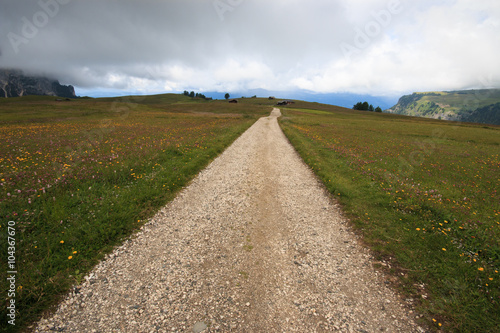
(424,195)
(78,177)
(89,172)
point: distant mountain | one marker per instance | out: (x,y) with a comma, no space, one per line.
(489,114)
(479,106)
(13,83)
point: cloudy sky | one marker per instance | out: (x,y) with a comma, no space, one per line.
(377,47)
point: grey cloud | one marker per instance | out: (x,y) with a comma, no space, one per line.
(284,43)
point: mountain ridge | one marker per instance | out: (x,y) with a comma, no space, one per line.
(478,106)
(13,83)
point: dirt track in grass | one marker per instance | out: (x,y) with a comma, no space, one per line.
(253,244)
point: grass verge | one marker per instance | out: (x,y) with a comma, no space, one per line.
(78,177)
(424,195)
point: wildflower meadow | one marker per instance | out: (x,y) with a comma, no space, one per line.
(77,177)
(425,196)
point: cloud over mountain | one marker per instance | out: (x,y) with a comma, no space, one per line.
(377,47)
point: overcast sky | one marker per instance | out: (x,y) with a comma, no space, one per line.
(378,47)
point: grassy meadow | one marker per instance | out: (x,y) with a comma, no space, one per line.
(425,196)
(78,177)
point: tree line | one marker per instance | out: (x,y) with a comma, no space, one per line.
(192,94)
(364,106)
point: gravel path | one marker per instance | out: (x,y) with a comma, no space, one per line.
(254,244)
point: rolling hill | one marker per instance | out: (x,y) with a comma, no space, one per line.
(479,106)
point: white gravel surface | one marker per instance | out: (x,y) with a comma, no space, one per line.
(253,244)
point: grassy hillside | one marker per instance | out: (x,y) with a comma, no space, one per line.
(424,195)
(77,177)
(481,106)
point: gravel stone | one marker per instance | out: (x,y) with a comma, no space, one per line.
(199,327)
(253,244)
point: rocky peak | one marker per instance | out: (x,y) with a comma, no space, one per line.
(13,83)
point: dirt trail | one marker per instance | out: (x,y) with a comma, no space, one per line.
(254,244)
